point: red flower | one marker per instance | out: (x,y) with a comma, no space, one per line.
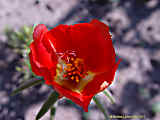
(77,60)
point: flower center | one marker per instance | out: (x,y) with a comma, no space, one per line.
(74,70)
(71,72)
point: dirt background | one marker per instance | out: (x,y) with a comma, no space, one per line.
(135,30)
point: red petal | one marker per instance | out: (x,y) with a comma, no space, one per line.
(44,72)
(35,69)
(57,39)
(95,85)
(78,98)
(88,41)
(101,26)
(39,52)
(98,53)
(39,32)
(40,59)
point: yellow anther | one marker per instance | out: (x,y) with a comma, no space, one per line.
(65,69)
(74,73)
(75,62)
(72,68)
(69,69)
(72,59)
(77,79)
(72,78)
(69,65)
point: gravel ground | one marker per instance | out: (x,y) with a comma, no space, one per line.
(135,30)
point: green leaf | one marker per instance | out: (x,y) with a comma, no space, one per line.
(48,104)
(156,107)
(26,29)
(52,112)
(109,96)
(26,85)
(100,106)
(18,69)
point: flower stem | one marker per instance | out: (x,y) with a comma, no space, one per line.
(109,96)
(52,113)
(100,106)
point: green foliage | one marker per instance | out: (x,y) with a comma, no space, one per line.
(109,96)
(19,41)
(156,107)
(26,85)
(48,104)
(100,106)
(52,112)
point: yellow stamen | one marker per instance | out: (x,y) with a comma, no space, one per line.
(69,65)
(74,73)
(69,69)
(72,59)
(77,79)
(72,78)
